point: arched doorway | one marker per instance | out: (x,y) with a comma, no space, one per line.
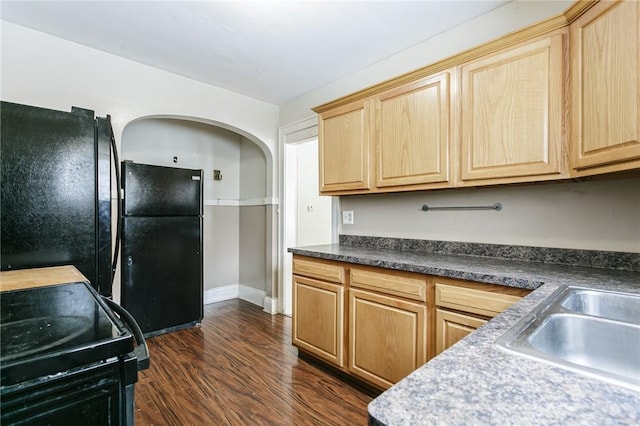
(237,207)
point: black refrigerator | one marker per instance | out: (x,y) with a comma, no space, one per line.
(162,264)
(56,191)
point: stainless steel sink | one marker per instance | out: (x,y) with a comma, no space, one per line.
(593,332)
(605,304)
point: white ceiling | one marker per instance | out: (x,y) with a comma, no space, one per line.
(269,50)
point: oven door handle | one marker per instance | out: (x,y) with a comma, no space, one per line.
(142,350)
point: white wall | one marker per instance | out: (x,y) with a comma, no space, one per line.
(252,266)
(253,170)
(42,70)
(197,146)
(221,247)
(253,218)
(227,159)
(590,215)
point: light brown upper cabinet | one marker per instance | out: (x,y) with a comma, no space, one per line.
(555,100)
(605,64)
(512,112)
(412,132)
(344,148)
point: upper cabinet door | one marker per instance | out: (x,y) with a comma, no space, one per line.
(605,63)
(344,148)
(512,113)
(412,132)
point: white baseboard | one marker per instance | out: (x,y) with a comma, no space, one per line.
(270,305)
(218,294)
(235,291)
(251,294)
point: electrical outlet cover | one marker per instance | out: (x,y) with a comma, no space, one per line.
(347,217)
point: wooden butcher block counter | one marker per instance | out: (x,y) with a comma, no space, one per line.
(39,277)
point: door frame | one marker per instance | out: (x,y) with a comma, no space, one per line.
(298,132)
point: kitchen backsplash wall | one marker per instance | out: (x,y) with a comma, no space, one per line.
(560,256)
(597,215)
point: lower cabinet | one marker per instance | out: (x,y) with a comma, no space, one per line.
(463,306)
(453,326)
(387,337)
(319,319)
(378,325)
(319,309)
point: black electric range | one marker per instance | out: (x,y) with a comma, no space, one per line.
(66,357)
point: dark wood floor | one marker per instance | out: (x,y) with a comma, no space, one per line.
(239,368)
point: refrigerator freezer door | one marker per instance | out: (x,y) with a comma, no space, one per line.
(162,271)
(49,166)
(161,191)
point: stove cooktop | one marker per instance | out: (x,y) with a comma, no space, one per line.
(48,330)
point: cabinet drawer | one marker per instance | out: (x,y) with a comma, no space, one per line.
(397,284)
(482,302)
(318,269)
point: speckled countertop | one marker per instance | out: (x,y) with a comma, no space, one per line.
(476,383)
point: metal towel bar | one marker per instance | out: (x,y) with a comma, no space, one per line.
(497,207)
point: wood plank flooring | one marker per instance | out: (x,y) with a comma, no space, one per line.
(239,368)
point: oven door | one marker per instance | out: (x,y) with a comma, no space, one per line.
(90,395)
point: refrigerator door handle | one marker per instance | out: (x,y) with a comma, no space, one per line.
(129,281)
(116,165)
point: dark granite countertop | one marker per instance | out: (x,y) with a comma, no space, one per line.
(474,381)
(508,272)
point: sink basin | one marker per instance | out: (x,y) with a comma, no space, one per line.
(606,304)
(592,332)
(590,342)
